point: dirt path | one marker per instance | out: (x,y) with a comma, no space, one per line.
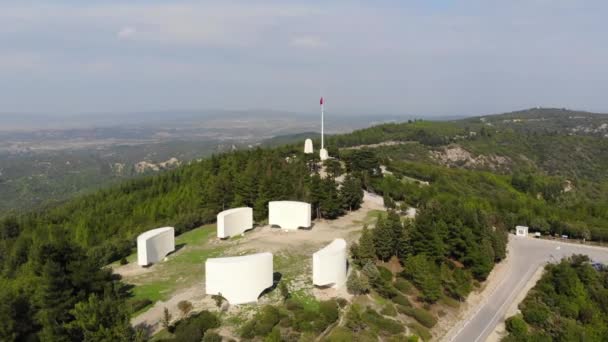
(323,231)
(150,319)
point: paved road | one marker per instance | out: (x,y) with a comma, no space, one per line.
(527,255)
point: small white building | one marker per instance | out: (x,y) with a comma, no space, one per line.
(521,231)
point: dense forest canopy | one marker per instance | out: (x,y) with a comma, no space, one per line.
(569,303)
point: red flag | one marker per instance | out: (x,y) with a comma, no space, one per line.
(321,102)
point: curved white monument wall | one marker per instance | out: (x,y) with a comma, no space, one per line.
(329,264)
(239,279)
(154,245)
(289,214)
(234,222)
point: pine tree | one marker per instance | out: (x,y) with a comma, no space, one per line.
(316,194)
(351,193)
(383,239)
(330,204)
(105,319)
(425,275)
(366,251)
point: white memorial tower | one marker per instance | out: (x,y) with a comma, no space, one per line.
(322,152)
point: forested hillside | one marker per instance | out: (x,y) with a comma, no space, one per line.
(554,183)
(53,288)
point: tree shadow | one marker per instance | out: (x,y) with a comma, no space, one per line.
(276,279)
(177,248)
(312,225)
(144,330)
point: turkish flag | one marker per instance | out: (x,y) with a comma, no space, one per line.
(321,102)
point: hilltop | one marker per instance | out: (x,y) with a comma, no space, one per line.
(546,120)
(469,183)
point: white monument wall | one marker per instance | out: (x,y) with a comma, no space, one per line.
(329,264)
(154,245)
(233,222)
(239,279)
(289,214)
(308,146)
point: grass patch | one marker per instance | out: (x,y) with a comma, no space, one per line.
(389,310)
(290,265)
(381,323)
(308,302)
(422,316)
(182,269)
(379,299)
(449,301)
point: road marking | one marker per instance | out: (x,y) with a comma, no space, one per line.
(507,301)
(558,247)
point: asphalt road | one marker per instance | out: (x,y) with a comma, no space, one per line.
(527,255)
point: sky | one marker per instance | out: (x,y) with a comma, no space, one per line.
(443,57)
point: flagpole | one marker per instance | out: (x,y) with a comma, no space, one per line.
(322,124)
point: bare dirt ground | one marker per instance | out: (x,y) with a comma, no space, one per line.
(500,330)
(323,231)
(302,243)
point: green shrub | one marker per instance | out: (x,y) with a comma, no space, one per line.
(212,337)
(194,327)
(516,326)
(342,303)
(274,336)
(385,274)
(421,331)
(403,285)
(328,309)
(340,334)
(262,322)
(449,301)
(390,326)
(535,313)
(123,261)
(356,284)
(293,305)
(424,317)
(402,300)
(389,310)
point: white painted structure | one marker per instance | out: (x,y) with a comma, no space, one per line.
(308,146)
(233,222)
(154,245)
(521,231)
(239,279)
(323,155)
(329,264)
(289,215)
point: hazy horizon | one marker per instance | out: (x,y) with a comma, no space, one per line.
(422,58)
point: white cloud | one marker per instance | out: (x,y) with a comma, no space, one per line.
(126,32)
(307,42)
